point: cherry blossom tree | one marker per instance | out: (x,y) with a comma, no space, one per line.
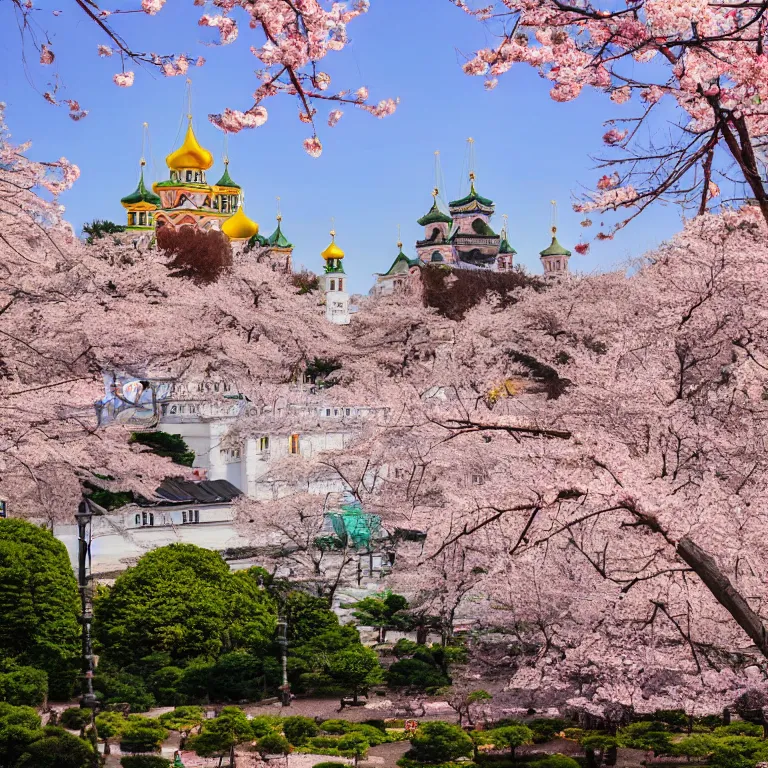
(290,40)
(71,314)
(705,58)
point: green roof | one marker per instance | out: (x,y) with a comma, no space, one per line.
(434,216)
(278,239)
(401,258)
(141,194)
(190,184)
(226,179)
(480,227)
(505,247)
(555,249)
(472,197)
(258,239)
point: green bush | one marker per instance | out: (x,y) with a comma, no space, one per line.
(574,733)
(75,718)
(545,729)
(138,737)
(439,742)
(554,761)
(380,724)
(124,688)
(354,744)
(742,728)
(408,762)
(323,742)
(273,744)
(674,719)
(415,673)
(335,726)
(22,686)
(404,647)
(298,729)
(144,761)
(57,749)
(511,737)
(330,764)
(647,736)
(261,725)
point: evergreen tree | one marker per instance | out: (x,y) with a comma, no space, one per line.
(39,605)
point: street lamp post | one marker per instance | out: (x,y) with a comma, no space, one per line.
(282,639)
(84,517)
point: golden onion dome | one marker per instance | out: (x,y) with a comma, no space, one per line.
(239,226)
(190,154)
(332,251)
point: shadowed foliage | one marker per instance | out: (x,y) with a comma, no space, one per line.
(196,255)
(453,292)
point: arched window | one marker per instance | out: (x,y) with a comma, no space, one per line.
(333,285)
(137,519)
(437,256)
(189,175)
(294,446)
(341,284)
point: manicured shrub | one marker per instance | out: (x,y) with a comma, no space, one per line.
(298,729)
(330,764)
(554,761)
(742,728)
(273,744)
(545,729)
(144,761)
(439,742)
(335,726)
(75,718)
(142,738)
(415,673)
(261,725)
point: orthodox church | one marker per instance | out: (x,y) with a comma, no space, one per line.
(460,238)
(463,238)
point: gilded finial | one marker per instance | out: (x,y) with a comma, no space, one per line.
(506,224)
(333,228)
(435,192)
(279,216)
(553,203)
(189,99)
(399,239)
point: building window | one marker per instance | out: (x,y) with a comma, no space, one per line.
(347,411)
(147,518)
(478,480)
(264,443)
(131,219)
(137,520)
(341,284)
(399,473)
(189,175)
(142,219)
(327,411)
(190,516)
(333,285)
(294,444)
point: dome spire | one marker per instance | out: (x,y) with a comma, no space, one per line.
(190,155)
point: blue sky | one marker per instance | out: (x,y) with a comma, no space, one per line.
(373,174)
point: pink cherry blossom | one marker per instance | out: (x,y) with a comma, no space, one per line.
(581,248)
(233,121)
(334,116)
(614,136)
(152,6)
(313,147)
(123,79)
(46,54)
(105,50)
(227,27)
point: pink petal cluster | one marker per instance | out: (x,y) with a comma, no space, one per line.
(123,79)
(234,121)
(152,6)
(614,136)
(334,116)
(46,54)
(313,147)
(105,50)
(227,27)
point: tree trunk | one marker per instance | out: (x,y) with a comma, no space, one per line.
(611,755)
(232,757)
(590,755)
(705,567)
(726,716)
(107,750)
